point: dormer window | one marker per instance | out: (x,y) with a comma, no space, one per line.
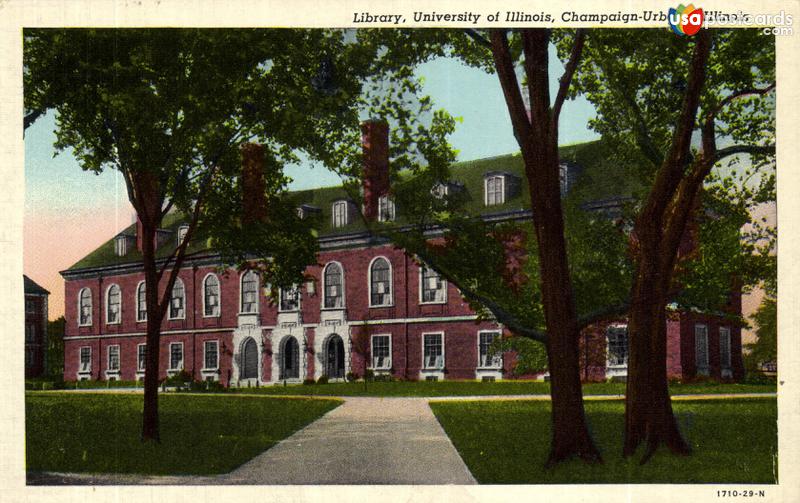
(121,246)
(340,216)
(386,209)
(494,189)
(307,211)
(182,231)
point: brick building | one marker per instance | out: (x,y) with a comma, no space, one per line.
(221,325)
(35,327)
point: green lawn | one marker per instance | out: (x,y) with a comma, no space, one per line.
(200,434)
(507,442)
(475,388)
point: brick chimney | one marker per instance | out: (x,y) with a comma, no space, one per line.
(254,187)
(375,145)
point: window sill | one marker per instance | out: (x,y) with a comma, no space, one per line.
(332,308)
(113,323)
(380,306)
(211,315)
(433,303)
(84,325)
(210,371)
(489,369)
(176,319)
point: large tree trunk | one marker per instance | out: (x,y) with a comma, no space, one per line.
(150,426)
(648,413)
(570,433)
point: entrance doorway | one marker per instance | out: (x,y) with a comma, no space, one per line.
(290,362)
(334,357)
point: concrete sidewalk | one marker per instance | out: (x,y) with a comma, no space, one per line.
(364,441)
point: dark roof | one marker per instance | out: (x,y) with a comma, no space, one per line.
(598,180)
(32,287)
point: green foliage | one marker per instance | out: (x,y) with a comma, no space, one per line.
(322,379)
(54,353)
(765,349)
(531,355)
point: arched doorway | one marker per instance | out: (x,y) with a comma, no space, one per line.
(334,357)
(249,368)
(290,360)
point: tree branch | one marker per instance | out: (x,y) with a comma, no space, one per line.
(508,81)
(569,72)
(604,313)
(477,37)
(30,118)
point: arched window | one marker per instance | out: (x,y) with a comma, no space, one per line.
(177,303)
(249,292)
(334,283)
(211,295)
(113,304)
(85,307)
(141,302)
(380,283)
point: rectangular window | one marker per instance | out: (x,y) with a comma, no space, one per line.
(176,356)
(211,354)
(86,359)
(494,190)
(701,348)
(381,352)
(486,360)
(433,352)
(617,345)
(30,333)
(386,212)
(339,213)
(725,347)
(290,299)
(434,288)
(113,358)
(142,357)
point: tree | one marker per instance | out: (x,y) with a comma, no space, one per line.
(169,109)
(54,352)
(765,349)
(636,80)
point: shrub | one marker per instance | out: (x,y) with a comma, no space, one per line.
(369,375)
(309,381)
(322,380)
(352,376)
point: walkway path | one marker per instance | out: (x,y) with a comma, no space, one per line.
(364,441)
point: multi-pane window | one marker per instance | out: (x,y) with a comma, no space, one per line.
(386,211)
(211,354)
(182,231)
(177,303)
(176,356)
(617,345)
(141,357)
(113,302)
(725,347)
(86,359)
(141,302)
(433,352)
(488,360)
(381,352)
(113,357)
(334,294)
(339,210)
(434,288)
(121,245)
(380,283)
(701,348)
(290,299)
(211,295)
(85,307)
(494,190)
(30,333)
(250,292)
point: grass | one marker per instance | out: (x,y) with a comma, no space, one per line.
(476,388)
(507,442)
(201,435)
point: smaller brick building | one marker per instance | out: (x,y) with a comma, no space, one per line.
(35,328)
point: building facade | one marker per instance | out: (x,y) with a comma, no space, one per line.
(366,306)
(36,312)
